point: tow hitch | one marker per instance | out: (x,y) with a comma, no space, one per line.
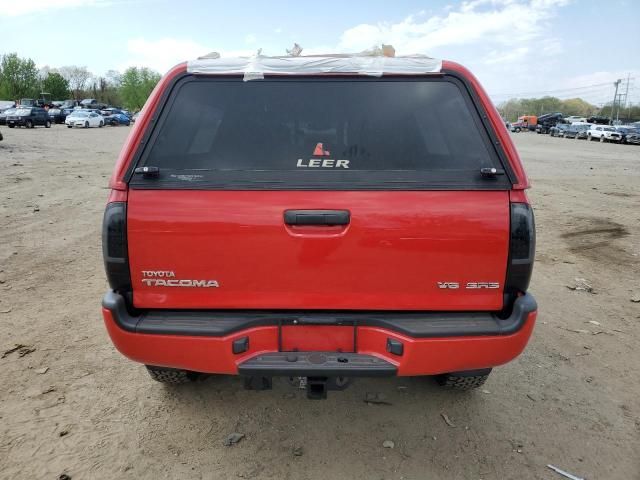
(316,387)
(317,372)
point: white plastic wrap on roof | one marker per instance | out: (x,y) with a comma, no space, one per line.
(254,68)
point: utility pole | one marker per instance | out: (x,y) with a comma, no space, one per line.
(626,94)
(615,96)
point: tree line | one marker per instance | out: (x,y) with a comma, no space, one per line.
(515,107)
(20,78)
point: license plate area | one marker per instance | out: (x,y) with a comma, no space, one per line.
(318,338)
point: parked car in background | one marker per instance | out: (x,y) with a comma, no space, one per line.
(577,130)
(625,132)
(634,138)
(109,110)
(84,118)
(548,120)
(599,120)
(575,118)
(116,119)
(558,130)
(88,102)
(57,115)
(69,104)
(67,111)
(6,104)
(5,113)
(28,117)
(604,133)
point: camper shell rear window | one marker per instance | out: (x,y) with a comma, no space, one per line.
(335,133)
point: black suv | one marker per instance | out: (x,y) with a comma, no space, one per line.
(598,120)
(57,115)
(29,117)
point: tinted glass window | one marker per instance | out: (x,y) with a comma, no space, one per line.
(320,127)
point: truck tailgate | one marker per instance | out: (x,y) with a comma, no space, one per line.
(401,250)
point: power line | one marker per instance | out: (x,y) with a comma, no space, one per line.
(566,90)
(551,91)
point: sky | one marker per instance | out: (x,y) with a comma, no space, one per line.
(517,48)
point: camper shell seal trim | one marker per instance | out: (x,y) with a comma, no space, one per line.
(255,67)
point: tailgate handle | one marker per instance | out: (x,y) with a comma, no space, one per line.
(317,217)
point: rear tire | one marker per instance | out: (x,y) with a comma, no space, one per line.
(171,376)
(463,381)
(101,124)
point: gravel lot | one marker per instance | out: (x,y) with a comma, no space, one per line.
(74,405)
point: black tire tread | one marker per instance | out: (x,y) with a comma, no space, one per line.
(462,383)
(169,375)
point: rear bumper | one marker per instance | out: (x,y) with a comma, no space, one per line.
(387,343)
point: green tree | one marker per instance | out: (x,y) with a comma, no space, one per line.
(56,85)
(135,86)
(18,77)
(577,106)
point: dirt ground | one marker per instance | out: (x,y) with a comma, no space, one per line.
(571,400)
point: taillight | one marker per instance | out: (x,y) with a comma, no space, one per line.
(114,246)
(522,246)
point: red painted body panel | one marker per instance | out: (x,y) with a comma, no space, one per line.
(390,257)
(118,196)
(518,196)
(422,356)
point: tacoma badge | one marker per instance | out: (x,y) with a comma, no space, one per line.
(167,279)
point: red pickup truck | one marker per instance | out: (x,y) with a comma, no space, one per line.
(319,218)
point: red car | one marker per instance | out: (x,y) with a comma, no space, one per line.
(320,218)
